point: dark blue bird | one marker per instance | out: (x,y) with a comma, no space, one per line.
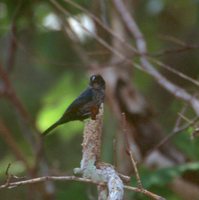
(86,105)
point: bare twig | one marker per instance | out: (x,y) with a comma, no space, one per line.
(195,127)
(45,178)
(164,52)
(139,182)
(7,169)
(8,176)
(183,45)
(130,153)
(172,134)
(179,119)
(145,192)
(74,178)
(176,72)
(174,40)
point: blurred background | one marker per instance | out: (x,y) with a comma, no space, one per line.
(48,50)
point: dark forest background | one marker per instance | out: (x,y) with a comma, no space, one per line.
(46,58)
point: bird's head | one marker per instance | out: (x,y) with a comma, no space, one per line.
(97,82)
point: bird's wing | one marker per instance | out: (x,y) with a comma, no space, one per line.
(78,103)
(84,98)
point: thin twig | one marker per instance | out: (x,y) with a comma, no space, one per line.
(184,45)
(8,176)
(74,178)
(139,182)
(145,192)
(172,134)
(174,50)
(173,39)
(176,72)
(179,119)
(132,157)
(7,169)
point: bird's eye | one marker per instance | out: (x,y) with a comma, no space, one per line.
(93,78)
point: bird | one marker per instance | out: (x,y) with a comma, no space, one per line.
(85,106)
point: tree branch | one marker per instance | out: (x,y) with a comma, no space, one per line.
(11,185)
(141,46)
(90,166)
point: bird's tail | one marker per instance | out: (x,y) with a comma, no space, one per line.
(48,130)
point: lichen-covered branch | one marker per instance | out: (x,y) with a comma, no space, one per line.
(91,146)
(90,166)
